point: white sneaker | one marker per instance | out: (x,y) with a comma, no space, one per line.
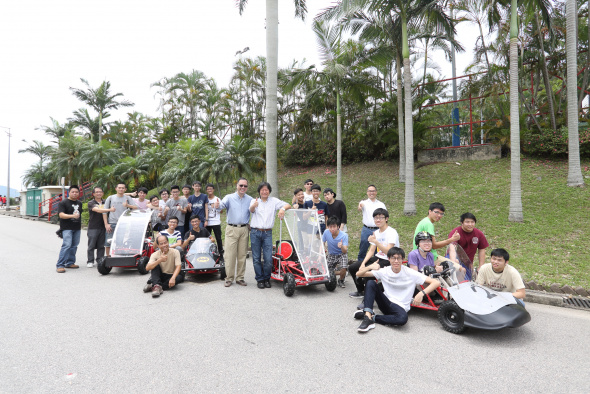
(90,265)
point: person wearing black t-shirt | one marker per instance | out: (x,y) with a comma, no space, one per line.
(335,207)
(319,205)
(96,229)
(195,233)
(70,224)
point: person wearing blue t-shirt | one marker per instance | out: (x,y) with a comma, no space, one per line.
(321,206)
(198,204)
(337,245)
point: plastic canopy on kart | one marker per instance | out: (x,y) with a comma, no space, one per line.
(130,232)
(304,230)
(201,252)
(455,252)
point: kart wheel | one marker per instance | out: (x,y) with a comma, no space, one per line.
(289,284)
(451,316)
(331,285)
(101,266)
(141,267)
(222,274)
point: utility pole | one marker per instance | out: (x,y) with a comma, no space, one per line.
(8,181)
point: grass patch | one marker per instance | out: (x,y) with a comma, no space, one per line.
(548,247)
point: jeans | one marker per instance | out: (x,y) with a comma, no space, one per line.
(364,245)
(261,242)
(354,268)
(393,314)
(67,254)
(96,237)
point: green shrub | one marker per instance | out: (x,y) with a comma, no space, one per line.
(549,143)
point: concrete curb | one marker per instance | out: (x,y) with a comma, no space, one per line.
(541,297)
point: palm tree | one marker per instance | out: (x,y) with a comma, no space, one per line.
(98,155)
(101,100)
(272,55)
(39,149)
(37,175)
(84,120)
(65,158)
(189,91)
(57,130)
(343,64)
(574,175)
(240,157)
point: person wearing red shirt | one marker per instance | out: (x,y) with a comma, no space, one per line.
(472,239)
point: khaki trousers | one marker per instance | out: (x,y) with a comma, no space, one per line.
(236,249)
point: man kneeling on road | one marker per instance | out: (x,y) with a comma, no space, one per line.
(165,266)
(399,283)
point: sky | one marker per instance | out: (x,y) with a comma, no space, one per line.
(47,46)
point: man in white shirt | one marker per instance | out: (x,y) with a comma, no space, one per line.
(263,218)
(399,283)
(214,223)
(367,207)
(380,242)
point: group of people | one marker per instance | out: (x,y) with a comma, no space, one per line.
(182,219)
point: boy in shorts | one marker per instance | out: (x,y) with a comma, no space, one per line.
(336,241)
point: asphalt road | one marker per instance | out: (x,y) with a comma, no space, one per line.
(81,332)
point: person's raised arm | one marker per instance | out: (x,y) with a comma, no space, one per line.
(365,270)
(437,245)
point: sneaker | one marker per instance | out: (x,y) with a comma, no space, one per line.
(367,324)
(147,288)
(341,283)
(267,284)
(157,291)
(90,265)
(356,294)
(61,270)
(358,315)
(72,266)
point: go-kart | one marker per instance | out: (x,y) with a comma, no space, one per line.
(301,261)
(462,303)
(131,245)
(203,258)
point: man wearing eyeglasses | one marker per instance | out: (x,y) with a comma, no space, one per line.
(236,233)
(435,213)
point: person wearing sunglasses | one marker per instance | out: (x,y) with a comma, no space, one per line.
(236,233)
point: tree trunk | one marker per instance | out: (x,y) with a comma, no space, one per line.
(99,126)
(546,81)
(587,70)
(515,211)
(409,201)
(400,122)
(574,175)
(272,55)
(338,148)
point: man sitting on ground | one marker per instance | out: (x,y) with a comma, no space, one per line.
(165,265)
(500,276)
(380,242)
(399,283)
(337,246)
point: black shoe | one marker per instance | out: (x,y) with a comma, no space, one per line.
(358,315)
(261,285)
(267,284)
(357,294)
(367,324)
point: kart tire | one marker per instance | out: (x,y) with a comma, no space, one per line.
(289,284)
(452,317)
(142,265)
(102,268)
(331,285)
(222,274)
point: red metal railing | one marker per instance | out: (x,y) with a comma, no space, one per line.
(52,203)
